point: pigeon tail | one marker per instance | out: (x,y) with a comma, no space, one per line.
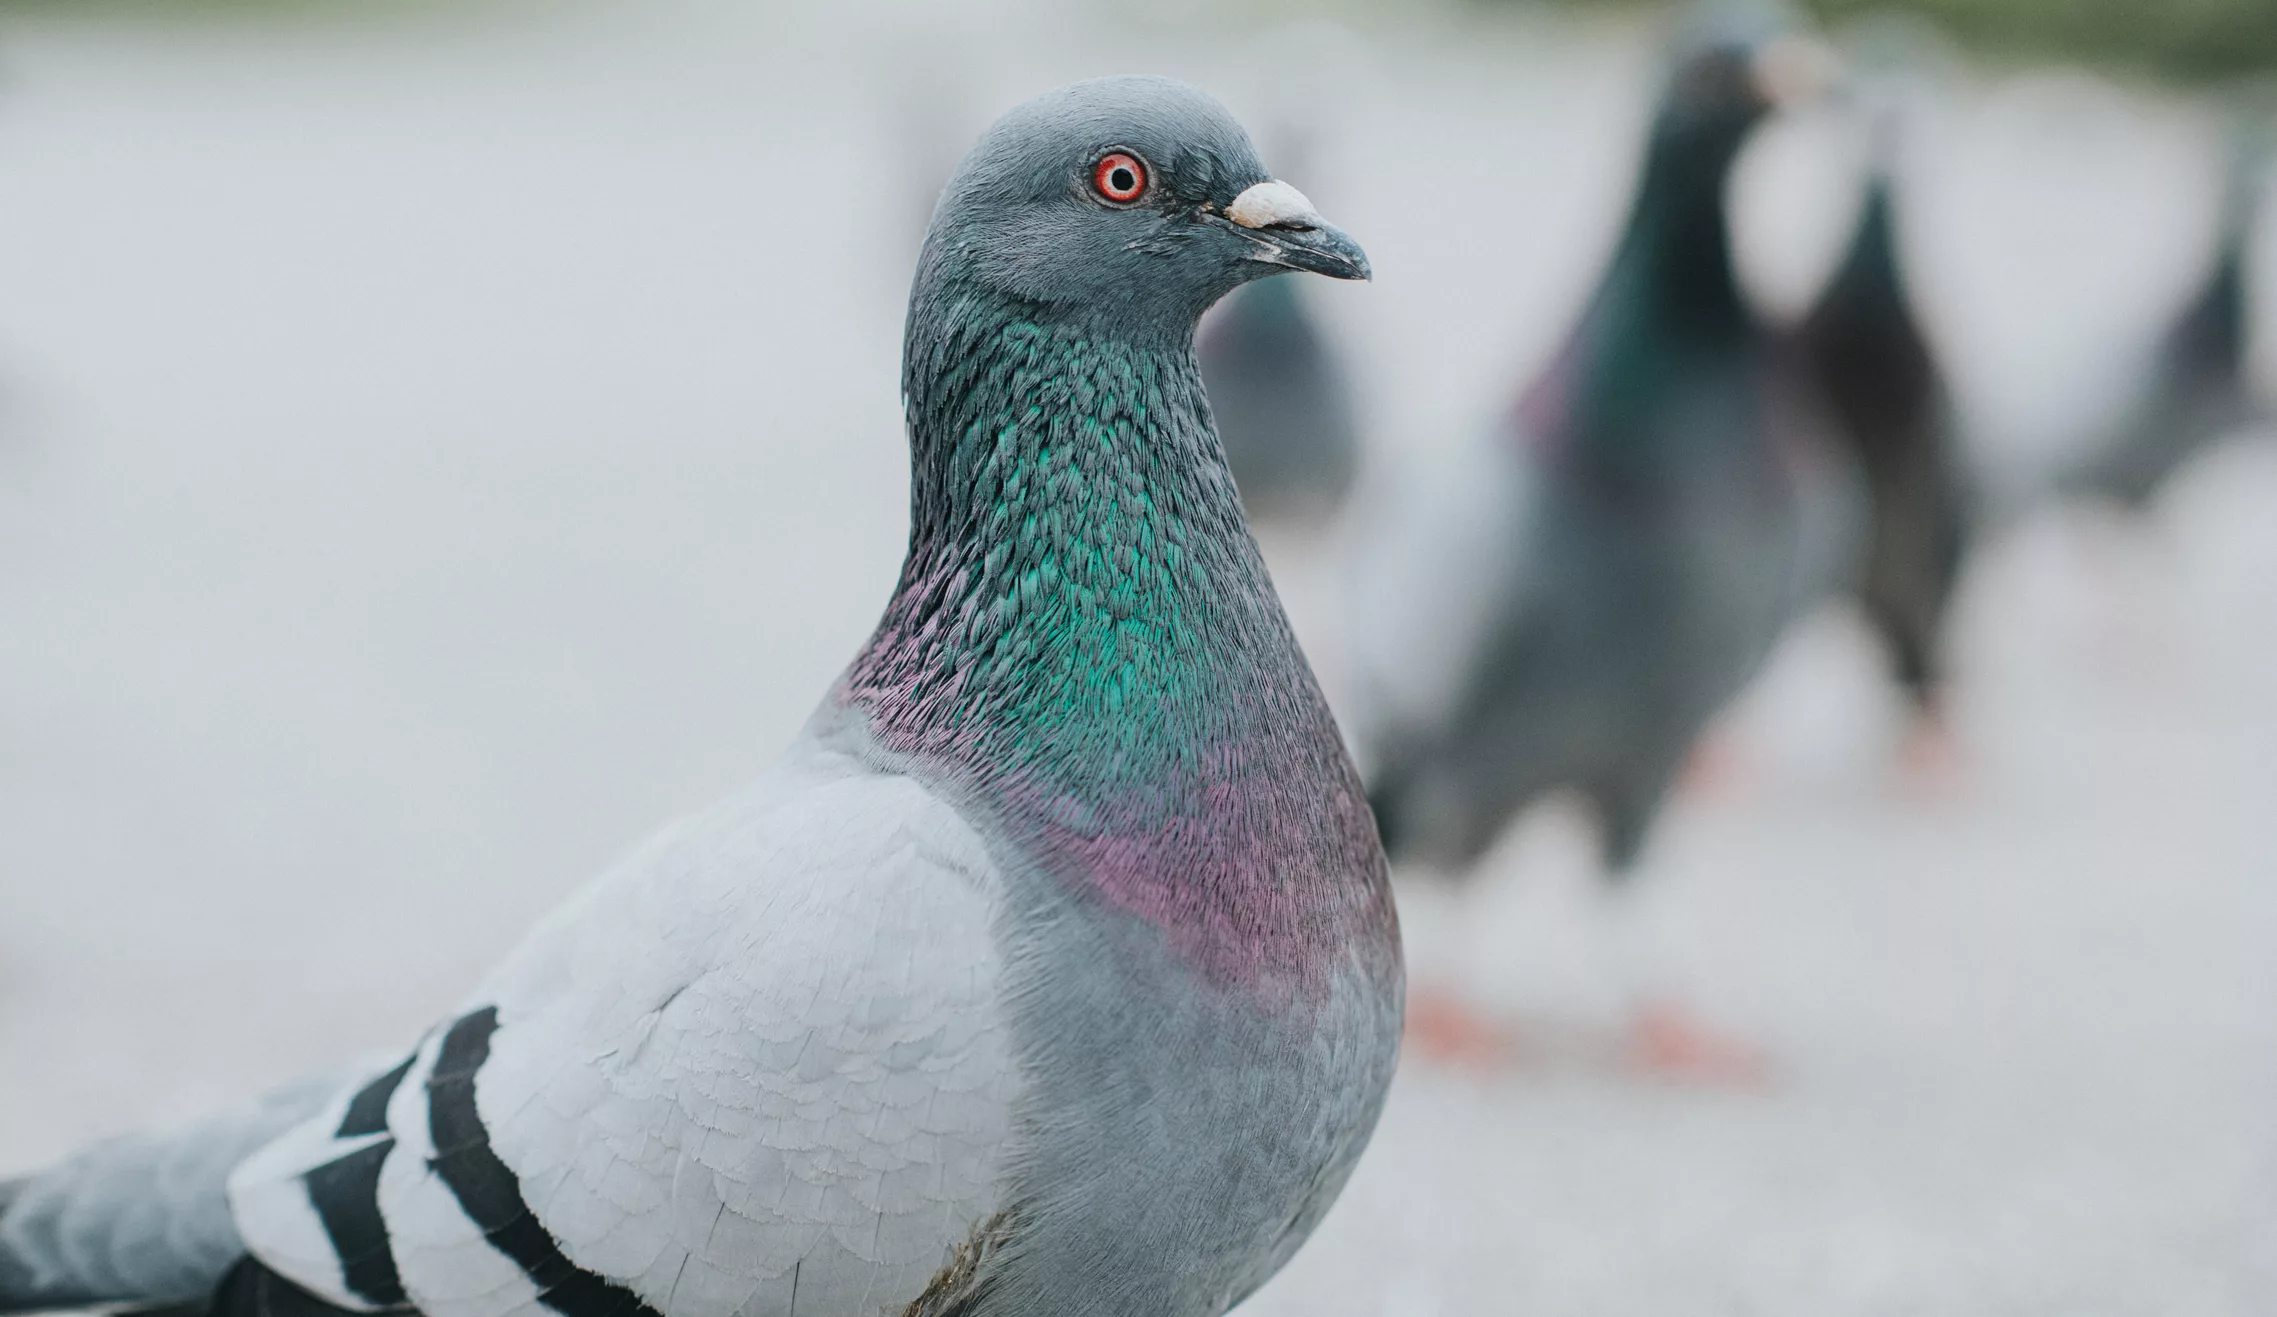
(140,1222)
(1621,837)
(1626,806)
(1423,816)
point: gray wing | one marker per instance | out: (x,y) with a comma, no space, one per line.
(762,1060)
(138,1220)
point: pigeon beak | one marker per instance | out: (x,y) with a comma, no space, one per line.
(1793,70)
(1285,230)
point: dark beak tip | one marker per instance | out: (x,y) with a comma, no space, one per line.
(1344,256)
(1313,246)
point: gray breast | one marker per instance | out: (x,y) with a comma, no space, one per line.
(1178,1140)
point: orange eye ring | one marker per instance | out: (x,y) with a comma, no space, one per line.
(1119,177)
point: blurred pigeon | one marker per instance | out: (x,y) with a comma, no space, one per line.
(1053,971)
(1282,404)
(1604,574)
(2196,390)
(1876,371)
(1574,600)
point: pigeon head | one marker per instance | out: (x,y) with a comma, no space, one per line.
(1130,203)
(1727,78)
(1727,75)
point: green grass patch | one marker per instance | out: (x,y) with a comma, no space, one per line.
(2197,41)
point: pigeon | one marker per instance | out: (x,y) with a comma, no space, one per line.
(1876,371)
(1569,603)
(1587,587)
(1283,404)
(1053,970)
(2195,390)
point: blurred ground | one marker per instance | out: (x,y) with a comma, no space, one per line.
(432,456)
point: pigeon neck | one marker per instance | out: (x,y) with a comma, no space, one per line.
(2240,207)
(1870,271)
(2218,320)
(2246,175)
(1676,249)
(1084,640)
(1070,502)
(1669,305)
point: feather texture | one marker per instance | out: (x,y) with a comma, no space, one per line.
(1054,969)
(139,1219)
(697,1092)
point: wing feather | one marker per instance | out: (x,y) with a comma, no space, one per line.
(768,1051)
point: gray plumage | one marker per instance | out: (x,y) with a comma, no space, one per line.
(1052,970)
(138,1219)
(2195,390)
(1879,375)
(1619,557)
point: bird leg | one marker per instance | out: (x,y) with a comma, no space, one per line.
(1445,1028)
(1662,1037)
(1717,765)
(1929,755)
(1667,1041)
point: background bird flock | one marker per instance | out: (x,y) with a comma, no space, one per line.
(383,544)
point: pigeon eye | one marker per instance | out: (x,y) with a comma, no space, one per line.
(1119,176)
